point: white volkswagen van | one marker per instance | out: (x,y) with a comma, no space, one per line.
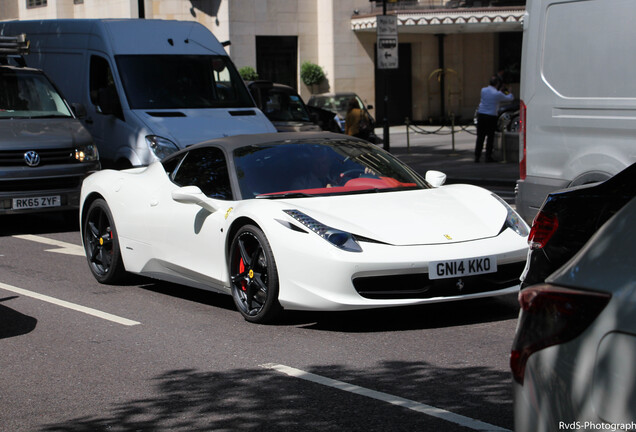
(143,88)
(578,91)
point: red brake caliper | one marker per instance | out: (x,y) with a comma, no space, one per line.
(241,270)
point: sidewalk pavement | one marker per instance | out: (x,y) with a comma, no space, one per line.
(436,151)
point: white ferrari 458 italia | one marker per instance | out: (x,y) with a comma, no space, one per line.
(309,221)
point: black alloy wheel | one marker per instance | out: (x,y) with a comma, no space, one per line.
(102,244)
(254,276)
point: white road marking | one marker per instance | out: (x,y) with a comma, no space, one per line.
(385,397)
(69,305)
(66,248)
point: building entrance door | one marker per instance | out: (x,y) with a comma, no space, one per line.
(277,59)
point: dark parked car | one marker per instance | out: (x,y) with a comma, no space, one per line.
(45,152)
(284,107)
(568,218)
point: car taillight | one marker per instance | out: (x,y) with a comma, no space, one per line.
(543,227)
(551,315)
(522,135)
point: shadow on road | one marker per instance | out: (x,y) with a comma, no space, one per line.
(13,323)
(39,223)
(435,315)
(264,400)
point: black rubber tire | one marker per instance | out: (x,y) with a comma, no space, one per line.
(101,244)
(253,276)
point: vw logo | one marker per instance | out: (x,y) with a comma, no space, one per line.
(31,158)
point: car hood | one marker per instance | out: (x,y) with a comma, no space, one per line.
(450,214)
(190,126)
(28,134)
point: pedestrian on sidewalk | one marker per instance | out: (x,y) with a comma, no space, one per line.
(487,111)
(357,122)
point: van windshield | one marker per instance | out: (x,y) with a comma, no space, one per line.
(181,81)
(29,94)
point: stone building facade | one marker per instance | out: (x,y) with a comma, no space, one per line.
(448,49)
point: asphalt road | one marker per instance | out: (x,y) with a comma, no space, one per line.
(146,356)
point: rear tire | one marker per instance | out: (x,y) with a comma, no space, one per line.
(101,244)
(254,276)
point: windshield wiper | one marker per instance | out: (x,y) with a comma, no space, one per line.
(285,195)
(49,116)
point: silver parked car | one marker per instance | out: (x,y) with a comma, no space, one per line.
(574,351)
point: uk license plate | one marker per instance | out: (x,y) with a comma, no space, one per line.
(462,267)
(36,202)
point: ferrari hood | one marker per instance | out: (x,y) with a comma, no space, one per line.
(454,213)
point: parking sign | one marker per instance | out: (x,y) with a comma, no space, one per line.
(387,41)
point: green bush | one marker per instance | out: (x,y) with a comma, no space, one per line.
(248,73)
(311,73)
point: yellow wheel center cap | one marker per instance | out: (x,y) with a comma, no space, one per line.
(251,274)
(101,241)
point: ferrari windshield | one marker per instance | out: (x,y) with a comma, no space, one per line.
(319,167)
(182,81)
(29,94)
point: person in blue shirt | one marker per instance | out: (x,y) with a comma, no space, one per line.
(491,97)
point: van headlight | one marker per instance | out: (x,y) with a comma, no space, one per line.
(86,153)
(160,146)
(513,220)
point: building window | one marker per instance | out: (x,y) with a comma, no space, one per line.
(78,1)
(36,3)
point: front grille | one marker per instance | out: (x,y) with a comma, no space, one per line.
(419,286)
(41,184)
(47,157)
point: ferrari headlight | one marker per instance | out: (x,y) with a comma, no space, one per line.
(513,221)
(160,146)
(338,238)
(86,153)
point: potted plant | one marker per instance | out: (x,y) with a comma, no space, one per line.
(248,73)
(312,75)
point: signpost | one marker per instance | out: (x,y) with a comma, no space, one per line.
(387,55)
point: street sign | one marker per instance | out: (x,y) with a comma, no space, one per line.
(387,41)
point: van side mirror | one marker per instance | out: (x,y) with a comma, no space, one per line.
(79,110)
(193,195)
(107,101)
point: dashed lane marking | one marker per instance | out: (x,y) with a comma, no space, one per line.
(64,248)
(385,397)
(69,305)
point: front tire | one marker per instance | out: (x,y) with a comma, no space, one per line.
(101,244)
(254,276)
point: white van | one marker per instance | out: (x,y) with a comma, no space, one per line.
(578,91)
(147,87)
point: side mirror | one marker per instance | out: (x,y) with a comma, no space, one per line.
(107,101)
(79,110)
(435,178)
(193,195)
